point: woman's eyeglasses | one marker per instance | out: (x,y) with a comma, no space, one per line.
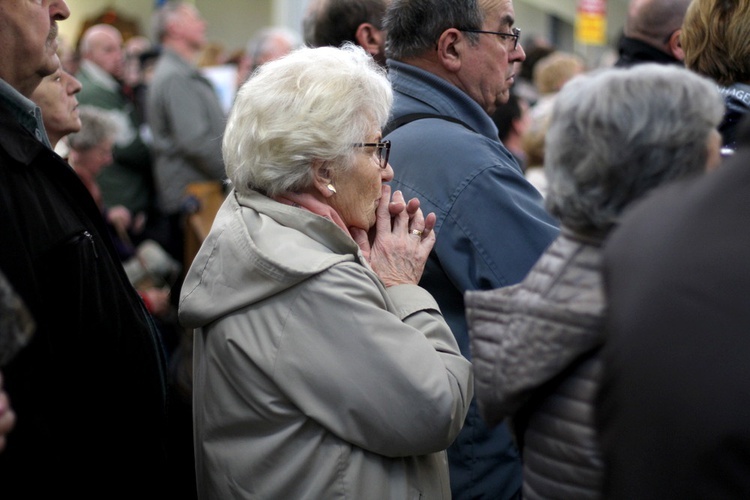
(383,148)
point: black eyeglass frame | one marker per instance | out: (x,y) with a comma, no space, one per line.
(515,35)
(381,146)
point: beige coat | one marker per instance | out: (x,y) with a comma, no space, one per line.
(313,380)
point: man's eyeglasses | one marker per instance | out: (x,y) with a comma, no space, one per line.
(384,151)
(515,35)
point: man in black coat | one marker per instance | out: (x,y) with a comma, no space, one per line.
(652,33)
(88,389)
(675,404)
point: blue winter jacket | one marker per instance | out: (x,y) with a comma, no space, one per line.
(491,228)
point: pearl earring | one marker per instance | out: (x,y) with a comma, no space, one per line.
(331,188)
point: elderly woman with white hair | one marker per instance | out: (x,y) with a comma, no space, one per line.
(321,368)
(614,135)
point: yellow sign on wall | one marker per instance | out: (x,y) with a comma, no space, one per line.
(591,22)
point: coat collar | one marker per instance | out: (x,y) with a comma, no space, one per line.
(23,112)
(17,140)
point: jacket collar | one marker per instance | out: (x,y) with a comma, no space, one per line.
(633,51)
(23,111)
(594,238)
(319,228)
(15,139)
(437,95)
(99,77)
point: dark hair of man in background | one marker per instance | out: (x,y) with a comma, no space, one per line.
(333,22)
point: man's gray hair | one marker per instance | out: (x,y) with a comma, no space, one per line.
(414,26)
(265,41)
(162,17)
(86,45)
(617,133)
(311,104)
(654,21)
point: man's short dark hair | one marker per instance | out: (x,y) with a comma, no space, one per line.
(506,114)
(415,26)
(336,21)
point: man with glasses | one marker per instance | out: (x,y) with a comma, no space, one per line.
(451,64)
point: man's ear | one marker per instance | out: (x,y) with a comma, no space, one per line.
(323,179)
(675,46)
(450,48)
(369,38)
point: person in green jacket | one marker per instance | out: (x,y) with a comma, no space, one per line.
(128,181)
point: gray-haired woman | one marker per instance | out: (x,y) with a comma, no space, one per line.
(321,369)
(614,135)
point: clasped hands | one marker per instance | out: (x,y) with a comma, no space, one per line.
(398,245)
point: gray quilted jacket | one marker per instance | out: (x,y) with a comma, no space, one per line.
(534,352)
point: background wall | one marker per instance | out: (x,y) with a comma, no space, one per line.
(233,22)
(230,22)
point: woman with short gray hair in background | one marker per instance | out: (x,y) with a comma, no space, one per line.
(614,135)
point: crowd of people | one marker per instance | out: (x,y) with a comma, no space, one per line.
(443,266)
